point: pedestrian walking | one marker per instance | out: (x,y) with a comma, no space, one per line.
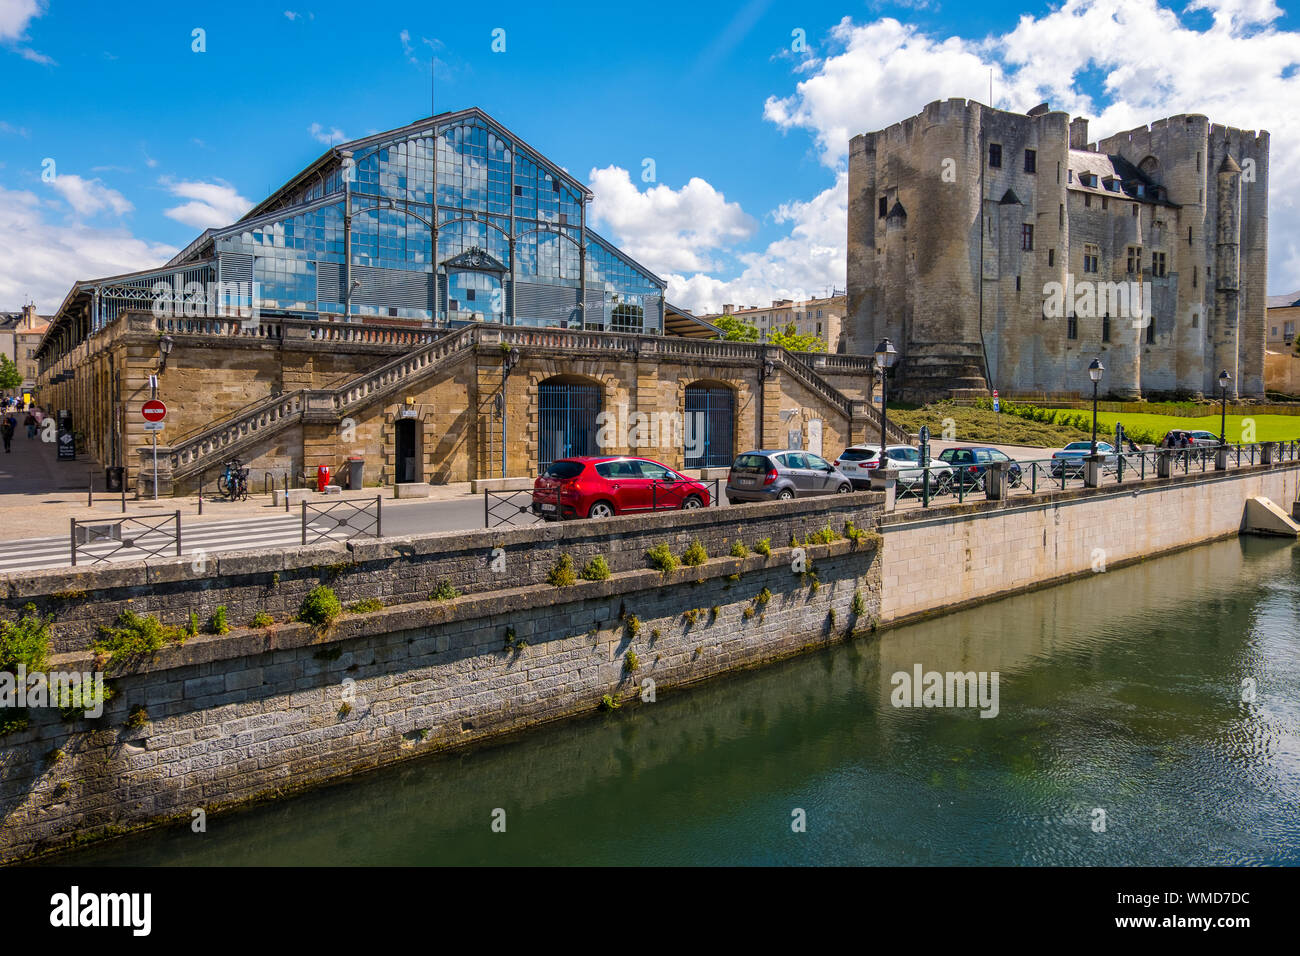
(30,422)
(7,431)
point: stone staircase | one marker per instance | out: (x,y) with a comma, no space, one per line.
(212,446)
(934,372)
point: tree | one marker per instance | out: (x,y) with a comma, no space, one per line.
(734,330)
(9,375)
(790,340)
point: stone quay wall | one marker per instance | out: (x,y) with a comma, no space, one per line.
(221,720)
(938,561)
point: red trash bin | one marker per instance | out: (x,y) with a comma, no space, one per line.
(322,477)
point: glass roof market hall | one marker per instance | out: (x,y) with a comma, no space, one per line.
(510,230)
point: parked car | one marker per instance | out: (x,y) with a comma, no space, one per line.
(1195,439)
(771,475)
(1069,460)
(602,487)
(970,462)
(860,462)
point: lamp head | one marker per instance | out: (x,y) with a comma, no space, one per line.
(166,342)
(1224,379)
(885,354)
(1095,370)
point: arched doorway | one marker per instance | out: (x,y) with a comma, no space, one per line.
(710,426)
(566,418)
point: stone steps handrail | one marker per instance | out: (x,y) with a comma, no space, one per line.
(224,440)
(195,452)
(366,387)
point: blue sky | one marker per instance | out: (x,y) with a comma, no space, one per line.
(152,140)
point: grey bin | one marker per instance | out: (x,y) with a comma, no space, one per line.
(356,472)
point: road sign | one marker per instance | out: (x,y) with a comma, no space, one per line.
(997,405)
(153,411)
(153,426)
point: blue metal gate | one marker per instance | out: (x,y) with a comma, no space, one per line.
(566,421)
(709,429)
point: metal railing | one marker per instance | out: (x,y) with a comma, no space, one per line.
(512,509)
(515,508)
(150,536)
(342,520)
(938,485)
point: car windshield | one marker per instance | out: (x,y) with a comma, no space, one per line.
(1079,446)
(857,454)
(750,463)
(564,469)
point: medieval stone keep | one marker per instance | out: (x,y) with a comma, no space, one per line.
(1003,250)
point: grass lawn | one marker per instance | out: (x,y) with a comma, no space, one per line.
(1267,427)
(983,425)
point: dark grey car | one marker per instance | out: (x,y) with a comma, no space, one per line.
(779,475)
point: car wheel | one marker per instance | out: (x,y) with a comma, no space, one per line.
(786,494)
(844,489)
(601,509)
(692,502)
(944,486)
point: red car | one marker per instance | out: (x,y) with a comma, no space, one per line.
(601,487)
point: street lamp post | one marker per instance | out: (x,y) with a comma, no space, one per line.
(1094,373)
(1224,380)
(885,356)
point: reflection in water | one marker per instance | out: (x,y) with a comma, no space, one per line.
(1121,692)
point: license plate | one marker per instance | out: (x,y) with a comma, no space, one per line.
(744,481)
(546,507)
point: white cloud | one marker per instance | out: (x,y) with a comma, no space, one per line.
(43,259)
(327,136)
(15,15)
(806,263)
(16,130)
(211,204)
(1241,72)
(89,196)
(668,230)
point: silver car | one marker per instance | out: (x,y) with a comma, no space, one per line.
(779,475)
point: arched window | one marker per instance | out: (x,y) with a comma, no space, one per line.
(566,418)
(708,431)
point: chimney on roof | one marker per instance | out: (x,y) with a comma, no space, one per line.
(726,309)
(29,316)
(1079,133)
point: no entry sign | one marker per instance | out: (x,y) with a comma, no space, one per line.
(153,410)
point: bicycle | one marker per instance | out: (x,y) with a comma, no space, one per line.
(233,483)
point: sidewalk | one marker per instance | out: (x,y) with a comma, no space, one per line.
(39,494)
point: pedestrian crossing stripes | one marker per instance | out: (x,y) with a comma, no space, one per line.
(32,554)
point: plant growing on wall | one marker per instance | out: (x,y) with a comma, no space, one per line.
(137,718)
(562,575)
(218,624)
(633,625)
(631,663)
(694,555)
(444,591)
(609,703)
(596,569)
(764,547)
(320,607)
(366,606)
(25,641)
(738,549)
(133,636)
(662,558)
(262,619)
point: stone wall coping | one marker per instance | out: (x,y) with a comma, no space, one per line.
(245,642)
(125,574)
